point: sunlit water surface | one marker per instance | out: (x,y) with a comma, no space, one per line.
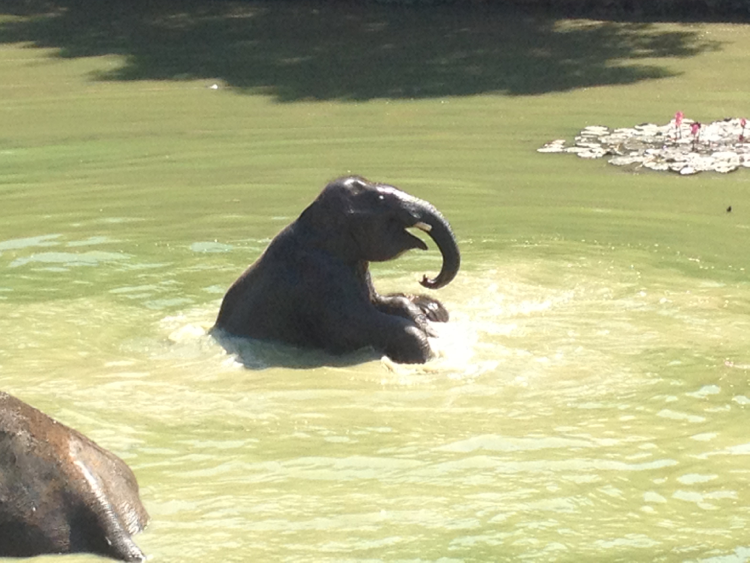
(587,403)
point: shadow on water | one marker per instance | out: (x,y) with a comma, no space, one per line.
(342,51)
(259,355)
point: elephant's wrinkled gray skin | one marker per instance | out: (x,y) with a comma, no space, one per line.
(60,492)
(312,288)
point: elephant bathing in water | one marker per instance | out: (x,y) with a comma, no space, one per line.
(60,492)
(312,288)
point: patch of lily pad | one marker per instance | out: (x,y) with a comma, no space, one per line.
(682,146)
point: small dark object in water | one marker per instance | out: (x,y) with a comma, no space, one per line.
(729,209)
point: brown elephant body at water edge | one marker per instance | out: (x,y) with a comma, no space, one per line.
(312,288)
(60,492)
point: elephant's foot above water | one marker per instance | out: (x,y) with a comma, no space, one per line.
(433,309)
(417,308)
(409,346)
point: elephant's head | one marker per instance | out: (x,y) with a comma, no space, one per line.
(360,220)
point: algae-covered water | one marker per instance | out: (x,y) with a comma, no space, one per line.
(591,397)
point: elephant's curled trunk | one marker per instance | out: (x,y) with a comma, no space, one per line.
(431,221)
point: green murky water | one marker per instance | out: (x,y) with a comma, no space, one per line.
(591,398)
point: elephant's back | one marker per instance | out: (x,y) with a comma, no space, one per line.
(267,300)
(60,491)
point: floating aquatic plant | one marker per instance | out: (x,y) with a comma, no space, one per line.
(682,145)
